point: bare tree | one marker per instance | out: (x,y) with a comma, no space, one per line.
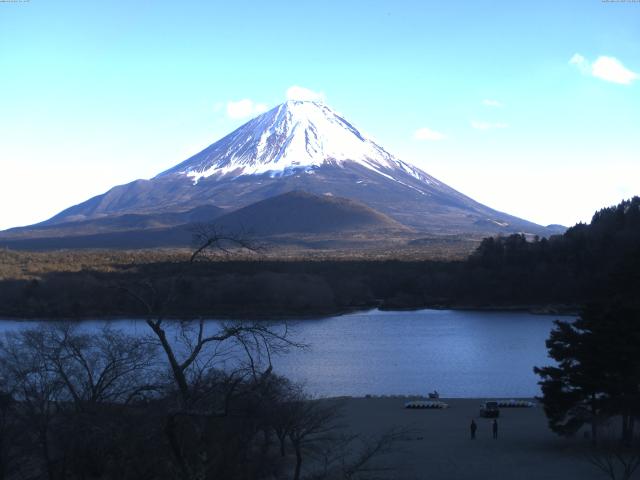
(352,456)
(210,238)
(617,459)
(66,384)
(9,435)
(366,451)
(284,411)
(108,366)
(195,348)
(312,422)
(314,431)
(39,392)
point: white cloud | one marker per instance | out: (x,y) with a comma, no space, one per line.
(261,107)
(487,125)
(581,63)
(296,92)
(428,134)
(612,70)
(605,68)
(245,108)
(492,103)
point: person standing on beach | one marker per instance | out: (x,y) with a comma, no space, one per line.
(473,428)
(494,428)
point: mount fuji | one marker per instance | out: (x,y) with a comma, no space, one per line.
(300,146)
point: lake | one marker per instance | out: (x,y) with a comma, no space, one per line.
(460,353)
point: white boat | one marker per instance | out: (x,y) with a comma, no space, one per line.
(515,403)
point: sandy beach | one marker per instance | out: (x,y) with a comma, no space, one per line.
(439,445)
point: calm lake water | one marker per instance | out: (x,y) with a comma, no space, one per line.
(459,353)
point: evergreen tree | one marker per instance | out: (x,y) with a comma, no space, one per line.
(597,374)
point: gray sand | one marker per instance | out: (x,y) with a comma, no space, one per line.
(525,449)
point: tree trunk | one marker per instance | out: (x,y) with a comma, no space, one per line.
(43,435)
(282,450)
(51,473)
(178,373)
(282,439)
(266,436)
(296,475)
(174,444)
(594,421)
(626,439)
(4,461)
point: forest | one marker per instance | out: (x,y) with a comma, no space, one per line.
(600,259)
(562,272)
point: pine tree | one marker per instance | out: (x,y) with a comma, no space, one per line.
(597,375)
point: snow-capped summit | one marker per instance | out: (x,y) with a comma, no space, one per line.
(296,135)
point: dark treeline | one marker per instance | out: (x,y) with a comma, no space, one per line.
(108,405)
(599,259)
(595,379)
(586,263)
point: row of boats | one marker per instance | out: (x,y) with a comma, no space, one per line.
(437,404)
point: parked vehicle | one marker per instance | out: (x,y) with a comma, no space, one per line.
(489,410)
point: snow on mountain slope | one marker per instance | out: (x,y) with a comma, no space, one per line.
(295,136)
(302,146)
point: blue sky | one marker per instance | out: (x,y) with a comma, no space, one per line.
(532,108)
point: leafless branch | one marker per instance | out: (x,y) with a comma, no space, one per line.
(209,237)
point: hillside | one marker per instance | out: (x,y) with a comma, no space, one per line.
(294,219)
(113,224)
(302,212)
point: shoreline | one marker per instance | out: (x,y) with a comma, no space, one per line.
(543,310)
(425,397)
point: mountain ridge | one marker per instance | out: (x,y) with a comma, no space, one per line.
(302,146)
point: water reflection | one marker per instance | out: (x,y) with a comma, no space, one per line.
(459,353)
